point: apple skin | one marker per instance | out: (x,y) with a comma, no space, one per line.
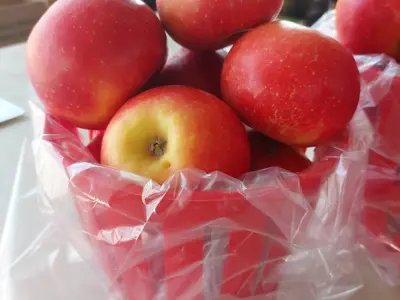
(369,26)
(267,153)
(201,70)
(171,128)
(86,58)
(291,83)
(210,24)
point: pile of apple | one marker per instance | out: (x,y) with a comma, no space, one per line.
(102,65)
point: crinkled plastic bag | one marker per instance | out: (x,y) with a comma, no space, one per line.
(85,231)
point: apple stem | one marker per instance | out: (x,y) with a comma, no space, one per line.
(157,148)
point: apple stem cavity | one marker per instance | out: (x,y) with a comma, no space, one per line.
(157,148)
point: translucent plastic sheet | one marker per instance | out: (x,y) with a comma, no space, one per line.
(84,231)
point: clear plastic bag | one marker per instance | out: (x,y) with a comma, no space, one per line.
(85,231)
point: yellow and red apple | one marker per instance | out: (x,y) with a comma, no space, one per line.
(170,128)
(86,58)
(211,24)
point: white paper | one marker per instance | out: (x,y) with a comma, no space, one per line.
(9,111)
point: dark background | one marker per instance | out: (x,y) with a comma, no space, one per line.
(151,3)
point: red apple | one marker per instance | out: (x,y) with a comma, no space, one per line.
(369,26)
(85,58)
(210,24)
(266,153)
(200,70)
(171,128)
(291,83)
